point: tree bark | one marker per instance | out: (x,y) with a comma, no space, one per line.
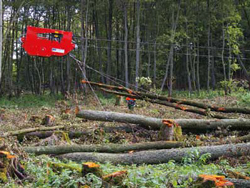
(137,66)
(126,43)
(156,123)
(110,17)
(108,148)
(208,46)
(174,26)
(1,39)
(160,156)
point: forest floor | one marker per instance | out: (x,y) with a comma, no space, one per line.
(17,114)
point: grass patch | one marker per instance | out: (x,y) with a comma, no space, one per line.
(30,101)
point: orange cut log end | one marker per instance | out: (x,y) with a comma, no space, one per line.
(7,154)
(91,165)
(84,82)
(219,180)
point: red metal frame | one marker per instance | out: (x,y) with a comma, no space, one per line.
(47,42)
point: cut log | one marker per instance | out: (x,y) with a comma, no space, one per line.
(173,100)
(155,123)
(239,183)
(169,104)
(108,148)
(160,156)
(24,131)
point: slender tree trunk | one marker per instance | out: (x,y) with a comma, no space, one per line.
(229,64)
(170,87)
(188,71)
(174,26)
(1,40)
(109,39)
(39,77)
(155,64)
(198,67)
(208,45)
(126,44)
(149,62)
(222,54)
(137,45)
(98,45)
(213,66)
(84,42)
(67,58)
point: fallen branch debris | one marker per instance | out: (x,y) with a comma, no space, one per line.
(24,131)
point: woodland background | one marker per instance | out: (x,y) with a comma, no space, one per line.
(185,45)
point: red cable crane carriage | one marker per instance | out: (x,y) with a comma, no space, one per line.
(47,42)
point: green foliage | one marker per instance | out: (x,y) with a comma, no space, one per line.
(234,85)
(47,177)
(244,99)
(170,174)
(144,81)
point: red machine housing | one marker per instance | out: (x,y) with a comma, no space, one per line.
(47,42)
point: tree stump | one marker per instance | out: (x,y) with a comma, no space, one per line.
(208,181)
(48,120)
(118,100)
(170,130)
(90,167)
(114,179)
(10,167)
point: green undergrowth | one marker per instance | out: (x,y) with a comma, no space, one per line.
(37,101)
(30,101)
(169,174)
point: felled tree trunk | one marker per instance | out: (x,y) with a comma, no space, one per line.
(108,148)
(169,104)
(160,156)
(174,100)
(156,124)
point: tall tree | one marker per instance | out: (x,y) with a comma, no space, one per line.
(137,67)
(1,38)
